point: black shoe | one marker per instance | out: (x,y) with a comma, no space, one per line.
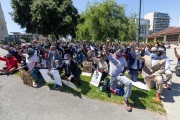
(56,87)
(2,74)
(79,83)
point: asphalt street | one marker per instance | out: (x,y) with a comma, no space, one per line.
(20,102)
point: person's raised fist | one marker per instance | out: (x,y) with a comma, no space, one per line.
(108,40)
(35,42)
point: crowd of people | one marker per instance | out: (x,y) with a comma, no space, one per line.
(110,58)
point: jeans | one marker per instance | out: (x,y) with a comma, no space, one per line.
(123,80)
(34,74)
(133,74)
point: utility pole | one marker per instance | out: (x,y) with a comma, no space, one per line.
(139,26)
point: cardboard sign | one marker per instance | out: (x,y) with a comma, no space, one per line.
(96,78)
(70,84)
(26,78)
(140,85)
(56,77)
(87,66)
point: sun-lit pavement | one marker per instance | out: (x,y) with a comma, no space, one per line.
(171,99)
(20,102)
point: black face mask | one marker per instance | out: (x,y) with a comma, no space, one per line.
(159,54)
(79,52)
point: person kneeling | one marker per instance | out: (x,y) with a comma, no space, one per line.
(72,71)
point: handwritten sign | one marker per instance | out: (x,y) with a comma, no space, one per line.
(56,77)
(96,78)
(87,66)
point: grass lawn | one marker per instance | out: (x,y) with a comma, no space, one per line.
(139,99)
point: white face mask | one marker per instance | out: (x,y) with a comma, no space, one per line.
(52,52)
(136,51)
(66,61)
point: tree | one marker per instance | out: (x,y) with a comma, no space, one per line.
(102,20)
(22,15)
(58,17)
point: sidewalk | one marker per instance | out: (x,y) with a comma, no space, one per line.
(171,99)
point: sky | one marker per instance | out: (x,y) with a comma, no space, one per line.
(165,6)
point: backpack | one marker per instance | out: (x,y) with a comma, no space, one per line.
(177,68)
(119,91)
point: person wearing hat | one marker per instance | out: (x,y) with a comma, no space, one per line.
(11,63)
(72,71)
(117,68)
(32,62)
(102,65)
(161,54)
(152,71)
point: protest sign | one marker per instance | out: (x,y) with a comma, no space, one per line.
(96,78)
(27,80)
(69,84)
(55,76)
(140,85)
(87,66)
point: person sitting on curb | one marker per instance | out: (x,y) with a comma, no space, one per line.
(11,63)
(118,66)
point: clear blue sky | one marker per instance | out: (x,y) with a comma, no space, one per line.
(166,6)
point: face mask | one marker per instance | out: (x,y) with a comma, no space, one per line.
(136,51)
(118,53)
(52,52)
(153,55)
(66,61)
(100,59)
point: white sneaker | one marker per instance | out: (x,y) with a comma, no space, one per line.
(34,85)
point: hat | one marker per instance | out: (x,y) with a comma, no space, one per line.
(153,49)
(67,56)
(161,49)
(31,50)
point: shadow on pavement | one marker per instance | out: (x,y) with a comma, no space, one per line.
(170,94)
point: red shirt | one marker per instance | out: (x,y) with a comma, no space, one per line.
(12,62)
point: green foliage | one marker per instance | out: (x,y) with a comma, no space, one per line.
(58,17)
(26,38)
(22,15)
(107,19)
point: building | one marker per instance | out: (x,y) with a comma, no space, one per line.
(3,27)
(144,28)
(158,21)
(171,34)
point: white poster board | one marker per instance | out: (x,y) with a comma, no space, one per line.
(70,84)
(96,78)
(140,85)
(47,78)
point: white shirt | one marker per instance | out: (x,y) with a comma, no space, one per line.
(30,62)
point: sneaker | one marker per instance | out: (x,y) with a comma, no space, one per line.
(35,85)
(127,105)
(56,87)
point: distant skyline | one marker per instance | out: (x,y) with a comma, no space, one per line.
(165,6)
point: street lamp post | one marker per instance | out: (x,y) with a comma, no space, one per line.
(139,26)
